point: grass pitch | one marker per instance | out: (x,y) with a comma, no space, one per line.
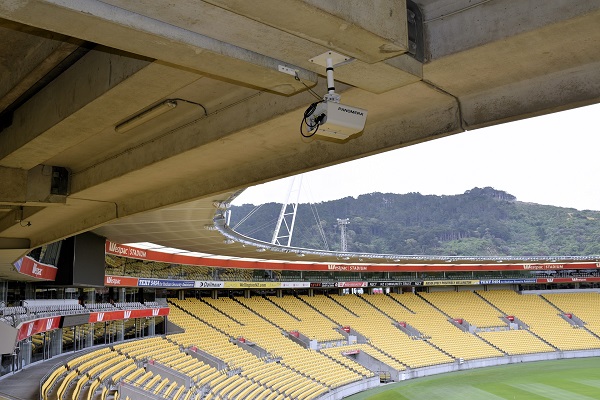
(576,379)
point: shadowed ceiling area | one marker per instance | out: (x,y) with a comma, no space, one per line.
(205,110)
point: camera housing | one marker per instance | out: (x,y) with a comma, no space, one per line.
(337,121)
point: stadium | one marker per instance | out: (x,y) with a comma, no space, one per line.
(127,130)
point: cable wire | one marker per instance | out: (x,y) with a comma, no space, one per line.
(296,77)
(317,121)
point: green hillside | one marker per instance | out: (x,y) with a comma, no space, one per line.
(479,222)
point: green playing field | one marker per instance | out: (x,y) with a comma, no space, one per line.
(576,379)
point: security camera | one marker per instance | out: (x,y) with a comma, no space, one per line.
(328,117)
(336,120)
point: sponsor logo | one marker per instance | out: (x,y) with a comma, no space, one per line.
(335,267)
(395,283)
(550,280)
(112,280)
(352,284)
(165,283)
(349,111)
(155,312)
(49,323)
(99,317)
(29,329)
(316,284)
(543,266)
(126,251)
(506,281)
(36,271)
(127,314)
(208,284)
(579,280)
(294,284)
(451,283)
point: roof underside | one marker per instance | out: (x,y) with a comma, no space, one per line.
(65,86)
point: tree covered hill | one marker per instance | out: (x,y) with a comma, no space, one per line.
(479,222)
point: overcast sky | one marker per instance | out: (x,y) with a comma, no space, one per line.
(552,159)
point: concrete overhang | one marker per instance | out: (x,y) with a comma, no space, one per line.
(486,63)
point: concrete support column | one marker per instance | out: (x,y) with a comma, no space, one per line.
(180,295)
(247,294)
(25,353)
(311,292)
(214,294)
(89,342)
(120,331)
(152,326)
(56,337)
(279,293)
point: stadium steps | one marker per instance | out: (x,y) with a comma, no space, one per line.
(70,390)
(379,349)
(552,304)
(173,328)
(490,303)
(434,306)
(256,313)
(375,308)
(563,312)
(316,309)
(198,318)
(529,330)
(343,365)
(341,305)
(543,340)
(281,308)
(220,311)
(491,344)
(398,302)
(590,331)
(439,349)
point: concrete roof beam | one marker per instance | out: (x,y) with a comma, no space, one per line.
(38,129)
(112,26)
(260,37)
(357,28)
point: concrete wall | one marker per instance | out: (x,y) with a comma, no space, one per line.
(167,372)
(370,383)
(490,362)
(350,389)
(375,365)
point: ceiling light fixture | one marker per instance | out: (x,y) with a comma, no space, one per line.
(145,116)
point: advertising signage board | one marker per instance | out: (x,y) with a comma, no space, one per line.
(165,283)
(28,266)
(506,281)
(152,255)
(29,328)
(127,314)
(395,283)
(452,283)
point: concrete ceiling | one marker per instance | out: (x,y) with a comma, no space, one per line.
(74,70)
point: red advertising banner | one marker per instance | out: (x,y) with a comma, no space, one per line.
(352,284)
(103,316)
(150,255)
(28,266)
(29,328)
(567,280)
(125,281)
